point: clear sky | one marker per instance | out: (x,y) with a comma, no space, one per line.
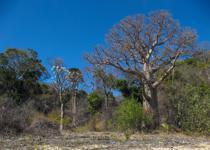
(68,28)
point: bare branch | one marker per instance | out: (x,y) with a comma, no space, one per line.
(154,40)
(166,73)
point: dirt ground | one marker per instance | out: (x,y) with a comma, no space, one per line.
(105,140)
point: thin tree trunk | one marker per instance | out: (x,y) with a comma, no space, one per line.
(106,101)
(61,113)
(74,109)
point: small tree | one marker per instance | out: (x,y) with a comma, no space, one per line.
(94,102)
(105,82)
(129,115)
(75,77)
(60,85)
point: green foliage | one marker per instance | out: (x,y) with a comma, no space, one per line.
(148,120)
(165,127)
(21,71)
(129,90)
(94,102)
(54,116)
(188,91)
(129,115)
(193,112)
(75,77)
(122,85)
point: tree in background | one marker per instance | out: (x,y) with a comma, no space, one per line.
(21,71)
(94,102)
(60,85)
(105,82)
(130,88)
(75,77)
(146,47)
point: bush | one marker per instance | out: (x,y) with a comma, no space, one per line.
(15,119)
(129,115)
(192,111)
(54,116)
(96,123)
(94,102)
(188,92)
(41,126)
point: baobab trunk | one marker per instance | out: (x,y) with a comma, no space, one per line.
(150,105)
(74,109)
(61,113)
(150,99)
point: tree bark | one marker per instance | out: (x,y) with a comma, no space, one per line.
(106,100)
(74,109)
(150,105)
(150,99)
(61,113)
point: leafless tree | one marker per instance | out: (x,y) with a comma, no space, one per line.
(60,84)
(147,47)
(75,77)
(104,81)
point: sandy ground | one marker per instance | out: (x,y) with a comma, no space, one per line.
(105,140)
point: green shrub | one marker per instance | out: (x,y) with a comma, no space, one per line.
(94,102)
(54,116)
(193,111)
(96,123)
(129,115)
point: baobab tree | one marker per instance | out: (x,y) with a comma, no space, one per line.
(75,77)
(148,47)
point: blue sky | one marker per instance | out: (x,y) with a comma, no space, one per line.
(68,28)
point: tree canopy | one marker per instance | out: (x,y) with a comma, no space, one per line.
(21,71)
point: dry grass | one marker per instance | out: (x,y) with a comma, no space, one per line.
(106,140)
